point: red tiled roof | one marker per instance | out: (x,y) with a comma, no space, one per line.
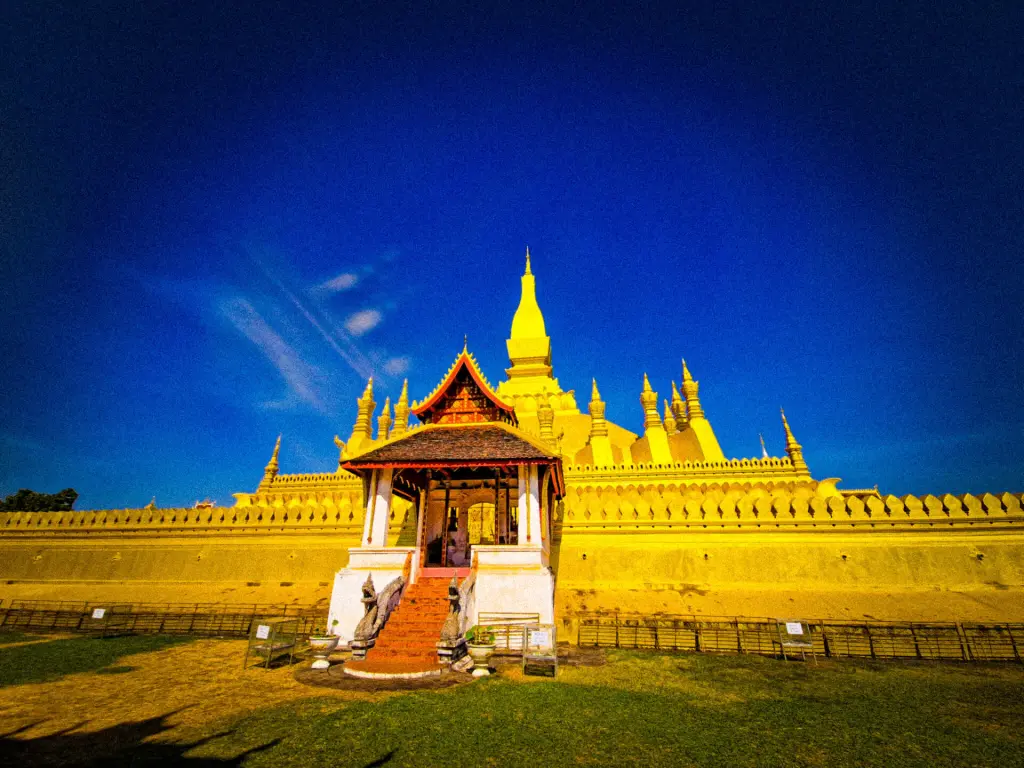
(448,445)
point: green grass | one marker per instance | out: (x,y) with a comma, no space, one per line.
(7,638)
(665,711)
(47,661)
(639,709)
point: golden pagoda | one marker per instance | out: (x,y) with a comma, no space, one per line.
(563,505)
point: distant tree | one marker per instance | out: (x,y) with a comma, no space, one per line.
(30,501)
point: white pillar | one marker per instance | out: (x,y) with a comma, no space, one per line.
(371,495)
(378,509)
(421,511)
(535,532)
(523,517)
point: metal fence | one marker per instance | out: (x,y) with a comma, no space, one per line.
(199,619)
(832,639)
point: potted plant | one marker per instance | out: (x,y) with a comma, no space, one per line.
(480,643)
(322,646)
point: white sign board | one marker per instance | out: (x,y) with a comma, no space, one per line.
(262,631)
(540,638)
(97,613)
(794,628)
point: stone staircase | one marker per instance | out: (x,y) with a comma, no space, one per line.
(407,645)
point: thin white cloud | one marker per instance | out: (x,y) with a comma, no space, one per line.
(347,350)
(363,321)
(396,366)
(296,372)
(342,282)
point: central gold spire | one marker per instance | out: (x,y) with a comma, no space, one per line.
(530,382)
(528,322)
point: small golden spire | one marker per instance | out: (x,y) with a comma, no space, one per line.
(362,430)
(690,390)
(598,425)
(546,417)
(678,408)
(270,471)
(384,420)
(793,448)
(528,272)
(649,401)
(402,412)
(670,420)
(272,465)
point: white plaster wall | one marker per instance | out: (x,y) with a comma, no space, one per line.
(515,591)
(384,564)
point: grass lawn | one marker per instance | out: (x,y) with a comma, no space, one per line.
(192,704)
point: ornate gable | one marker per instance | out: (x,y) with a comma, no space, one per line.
(464,397)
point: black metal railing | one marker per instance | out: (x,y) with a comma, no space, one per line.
(955,641)
(198,619)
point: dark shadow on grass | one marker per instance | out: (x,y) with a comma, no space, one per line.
(119,745)
(45,662)
(381,760)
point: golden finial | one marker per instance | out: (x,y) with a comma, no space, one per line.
(384,420)
(270,472)
(686,372)
(368,392)
(465,343)
(528,272)
(670,420)
(649,401)
(690,389)
(793,448)
(678,408)
(598,426)
(402,412)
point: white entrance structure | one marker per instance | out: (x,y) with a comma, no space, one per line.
(483,491)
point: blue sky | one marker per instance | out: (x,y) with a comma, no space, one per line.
(215,225)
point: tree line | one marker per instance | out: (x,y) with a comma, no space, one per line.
(30,501)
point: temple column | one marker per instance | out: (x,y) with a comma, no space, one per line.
(529,506)
(421,517)
(378,509)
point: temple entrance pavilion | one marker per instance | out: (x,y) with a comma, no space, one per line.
(483,493)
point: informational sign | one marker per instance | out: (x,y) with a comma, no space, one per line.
(262,631)
(98,613)
(794,628)
(540,638)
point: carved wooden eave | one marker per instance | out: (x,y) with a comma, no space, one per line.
(464,396)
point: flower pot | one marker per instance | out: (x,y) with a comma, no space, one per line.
(322,646)
(480,652)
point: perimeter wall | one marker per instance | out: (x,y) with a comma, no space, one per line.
(649,546)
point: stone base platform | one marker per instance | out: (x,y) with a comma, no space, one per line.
(384,670)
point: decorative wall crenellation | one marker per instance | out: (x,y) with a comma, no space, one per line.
(787,505)
(586,507)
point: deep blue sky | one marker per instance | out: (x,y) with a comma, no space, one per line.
(819,208)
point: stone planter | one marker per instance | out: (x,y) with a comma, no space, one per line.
(480,653)
(322,646)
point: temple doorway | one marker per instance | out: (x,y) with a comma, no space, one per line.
(461,515)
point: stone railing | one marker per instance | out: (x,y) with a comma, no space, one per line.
(637,509)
